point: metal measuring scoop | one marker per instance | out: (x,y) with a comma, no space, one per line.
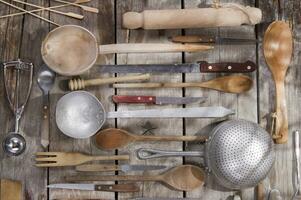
(14,144)
(46,79)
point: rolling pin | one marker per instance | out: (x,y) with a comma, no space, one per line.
(230,15)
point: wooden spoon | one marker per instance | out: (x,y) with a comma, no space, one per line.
(184,177)
(231,84)
(113,138)
(278,48)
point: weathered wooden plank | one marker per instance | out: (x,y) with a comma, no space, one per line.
(102,25)
(222,53)
(164,126)
(281,175)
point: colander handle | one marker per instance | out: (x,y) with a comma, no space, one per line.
(144,154)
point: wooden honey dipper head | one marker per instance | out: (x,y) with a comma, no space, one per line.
(76,84)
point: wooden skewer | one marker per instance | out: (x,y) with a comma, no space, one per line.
(69,14)
(42,18)
(37,10)
(86,8)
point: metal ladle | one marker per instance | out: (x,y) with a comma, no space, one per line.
(14,144)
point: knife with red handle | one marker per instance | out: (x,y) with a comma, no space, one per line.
(156,100)
(199,67)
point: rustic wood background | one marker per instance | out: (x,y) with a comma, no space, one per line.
(20,37)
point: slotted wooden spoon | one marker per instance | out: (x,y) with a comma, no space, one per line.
(278,48)
(113,138)
(231,84)
(184,177)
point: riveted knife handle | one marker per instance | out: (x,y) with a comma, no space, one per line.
(117,188)
(227,67)
(193,39)
(134,99)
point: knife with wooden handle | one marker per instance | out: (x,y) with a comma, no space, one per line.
(94,187)
(199,67)
(208,39)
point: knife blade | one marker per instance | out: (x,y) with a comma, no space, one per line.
(216,40)
(156,100)
(123,168)
(199,67)
(95,187)
(196,112)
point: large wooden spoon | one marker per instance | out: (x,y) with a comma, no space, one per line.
(231,84)
(278,48)
(184,177)
(113,138)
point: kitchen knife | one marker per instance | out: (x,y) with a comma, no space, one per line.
(199,67)
(156,100)
(94,187)
(123,168)
(216,40)
(194,112)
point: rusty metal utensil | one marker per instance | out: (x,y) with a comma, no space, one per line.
(278,49)
(14,144)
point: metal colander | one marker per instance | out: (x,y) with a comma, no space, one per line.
(238,153)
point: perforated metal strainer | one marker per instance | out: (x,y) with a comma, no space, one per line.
(238,153)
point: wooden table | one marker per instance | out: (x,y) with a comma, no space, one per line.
(20,37)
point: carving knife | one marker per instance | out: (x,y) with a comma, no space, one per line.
(123,168)
(199,67)
(94,187)
(216,40)
(156,100)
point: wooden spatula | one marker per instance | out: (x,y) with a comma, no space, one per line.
(10,190)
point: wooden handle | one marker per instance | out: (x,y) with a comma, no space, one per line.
(78,84)
(192,39)
(45,122)
(96,168)
(118,157)
(117,188)
(281,129)
(112,178)
(86,8)
(134,99)
(170,138)
(227,67)
(260,192)
(192,18)
(156,85)
(152,48)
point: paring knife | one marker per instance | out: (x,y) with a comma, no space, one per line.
(123,168)
(199,67)
(216,40)
(156,100)
(94,187)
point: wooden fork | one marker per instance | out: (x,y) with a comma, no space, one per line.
(58,159)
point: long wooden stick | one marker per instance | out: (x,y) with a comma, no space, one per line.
(69,14)
(37,10)
(42,18)
(86,8)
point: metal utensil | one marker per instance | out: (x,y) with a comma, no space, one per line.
(68,14)
(27,12)
(199,67)
(45,80)
(71,50)
(41,9)
(216,40)
(58,159)
(80,114)
(238,153)
(95,187)
(183,177)
(112,138)
(156,99)
(14,144)
(231,84)
(124,168)
(297,163)
(278,49)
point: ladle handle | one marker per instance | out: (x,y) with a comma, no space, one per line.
(144,154)
(281,130)
(151,48)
